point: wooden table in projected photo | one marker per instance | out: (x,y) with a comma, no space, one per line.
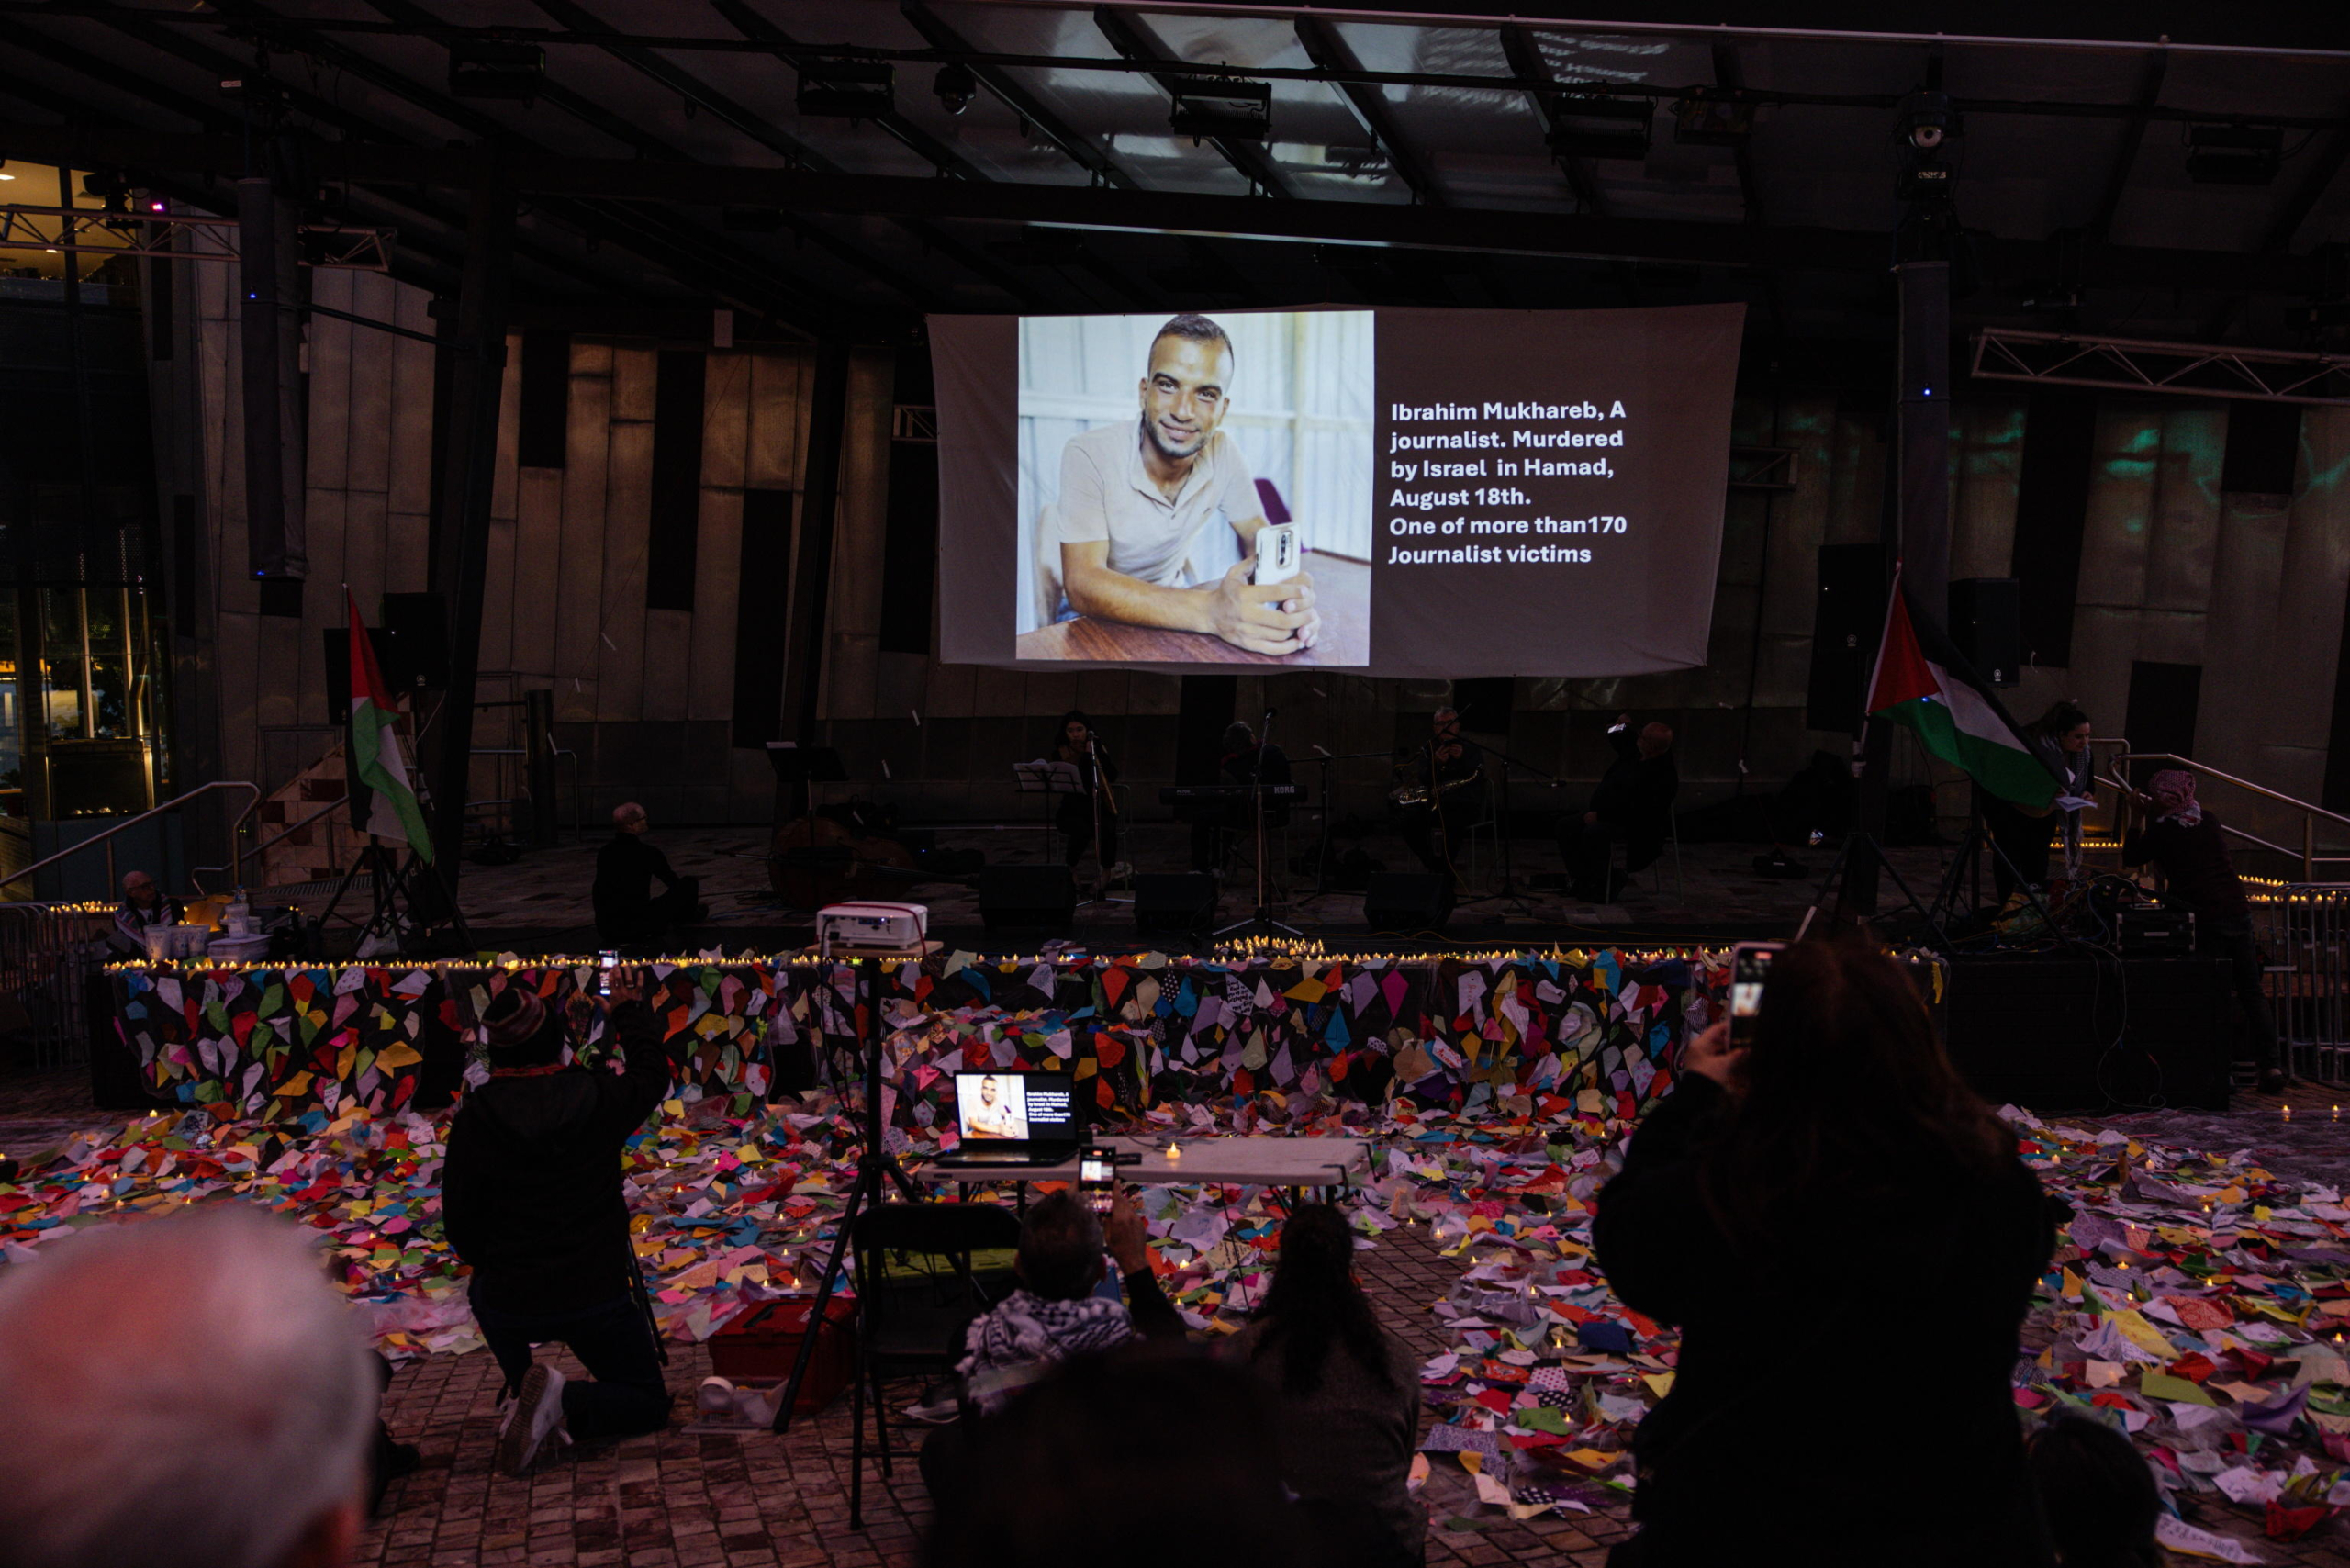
(1341,590)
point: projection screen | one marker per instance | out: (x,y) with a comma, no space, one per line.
(1398,492)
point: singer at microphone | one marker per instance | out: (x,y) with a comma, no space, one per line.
(1081,747)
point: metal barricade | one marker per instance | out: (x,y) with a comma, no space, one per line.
(2305,929)
(49,955)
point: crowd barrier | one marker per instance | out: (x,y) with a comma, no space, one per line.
(1590,1027)
(49,956)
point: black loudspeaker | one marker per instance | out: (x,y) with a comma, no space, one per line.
(416,628)
(338,655)
(1175,906)
(1407,901)
(1986,622)
(1036,898)
(1847,623)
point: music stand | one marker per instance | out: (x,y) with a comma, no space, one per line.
(1047,779)
(798,768)
(1507,892)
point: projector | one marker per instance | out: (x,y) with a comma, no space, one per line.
(872,927)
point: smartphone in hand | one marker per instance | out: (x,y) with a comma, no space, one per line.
(1097,1178)
(1750,968)
(606,962)
(1279,551)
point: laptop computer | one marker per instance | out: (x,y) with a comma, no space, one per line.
(1014,1119)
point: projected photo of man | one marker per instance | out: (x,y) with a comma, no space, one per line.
(992,1113)
(1155,523)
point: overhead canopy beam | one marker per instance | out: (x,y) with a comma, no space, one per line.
(1327,49)
(2130,42)
(1493,231)
(1132,39)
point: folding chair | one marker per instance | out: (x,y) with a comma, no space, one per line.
(915,1326)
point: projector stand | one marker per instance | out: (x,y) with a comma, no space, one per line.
(875,1167)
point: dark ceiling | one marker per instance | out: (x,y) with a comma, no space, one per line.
(663,161)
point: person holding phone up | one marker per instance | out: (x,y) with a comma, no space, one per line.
(532,1200)
(1767,1207)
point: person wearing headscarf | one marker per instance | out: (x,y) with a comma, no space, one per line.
(533,1202)
(2183,840)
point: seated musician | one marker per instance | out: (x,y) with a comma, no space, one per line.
(1240,760)
(1456,761)
(1135,499)
(1633,805)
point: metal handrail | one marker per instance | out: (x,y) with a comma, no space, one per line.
(236,860)
(2307,854)
(288,831)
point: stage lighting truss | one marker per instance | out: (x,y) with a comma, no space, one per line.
(2135,364)
(847,89)
(1221,109)
(2234,154)
(148,230)
(1591,126)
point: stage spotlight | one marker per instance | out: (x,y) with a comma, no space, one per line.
(1601,127)
(955,87)
(1925,120)
(481,69)
(1222,108)
(2234,154)
(847,89)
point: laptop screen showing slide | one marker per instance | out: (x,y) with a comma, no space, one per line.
(1012,1117)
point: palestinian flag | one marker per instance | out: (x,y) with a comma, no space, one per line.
(377,761)
(1922,683)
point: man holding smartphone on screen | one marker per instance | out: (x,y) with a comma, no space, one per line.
(1134,501)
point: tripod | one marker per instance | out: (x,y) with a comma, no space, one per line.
(1261,923)
(1966,875)
(1846,866)
(392,886)
(874,1164)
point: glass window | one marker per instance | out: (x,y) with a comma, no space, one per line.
(62,660)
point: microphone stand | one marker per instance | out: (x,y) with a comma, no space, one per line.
(1097,787)
(1262,922)
(1508,892)
(1322,887)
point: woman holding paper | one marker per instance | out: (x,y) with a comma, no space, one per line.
(1832,1185)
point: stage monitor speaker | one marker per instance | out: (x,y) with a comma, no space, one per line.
(416,627)
(1986,622)
(1848,621)
(1407,901)
(1174,905)
(338,657)
(1027,898)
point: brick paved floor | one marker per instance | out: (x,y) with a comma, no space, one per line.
(688,1498)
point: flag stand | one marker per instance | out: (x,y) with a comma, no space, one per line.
(1862,856)
(394,893)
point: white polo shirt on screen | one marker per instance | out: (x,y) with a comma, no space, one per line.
(1106,493)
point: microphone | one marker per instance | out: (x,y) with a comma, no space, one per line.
(1270,714)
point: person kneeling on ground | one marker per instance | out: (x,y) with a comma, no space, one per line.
(1734,1218)
(532,1200)
(1065,1306)
(1348,1398)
